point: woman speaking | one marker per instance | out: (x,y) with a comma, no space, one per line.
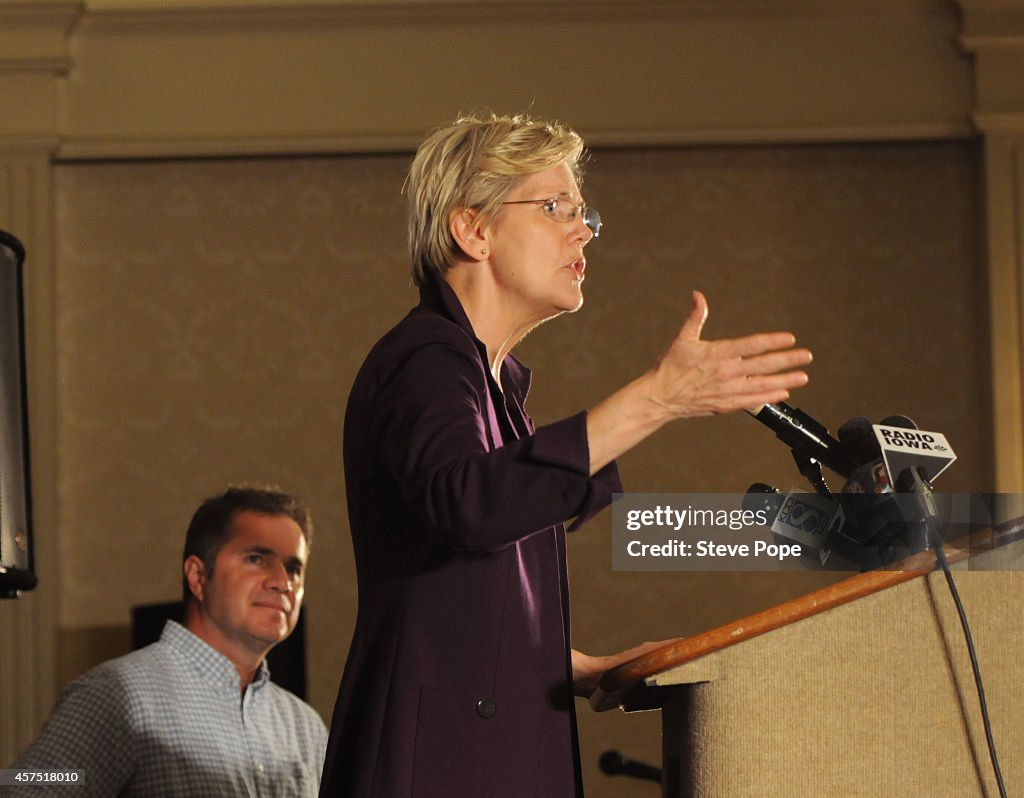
(459,674)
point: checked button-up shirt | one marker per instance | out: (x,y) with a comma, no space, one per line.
(170,720)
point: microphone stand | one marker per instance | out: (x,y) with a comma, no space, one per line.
(925,524)
(811,469)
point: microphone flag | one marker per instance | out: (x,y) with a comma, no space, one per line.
(904,448)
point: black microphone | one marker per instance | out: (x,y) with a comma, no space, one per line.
(613,763)
(904,460)
(922,515)
(877,518)
(761,497)
(857,439)
(822,526)
(804,435)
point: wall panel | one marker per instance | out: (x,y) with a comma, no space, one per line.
(213,314)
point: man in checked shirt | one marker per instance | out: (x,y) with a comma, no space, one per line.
(195,713)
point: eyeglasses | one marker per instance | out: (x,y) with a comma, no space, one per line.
(562,210)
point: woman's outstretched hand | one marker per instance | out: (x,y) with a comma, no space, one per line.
(696,378)
(703,378)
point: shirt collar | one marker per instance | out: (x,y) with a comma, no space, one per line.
(213,666)
(438,296)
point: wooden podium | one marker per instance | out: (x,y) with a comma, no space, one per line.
(863,688)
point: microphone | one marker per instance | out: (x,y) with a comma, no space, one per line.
(613,763)
(821,525)
(880,517)
(913,458)
(857,438)
(804,435)
(761,497)
(864,523)
(801,517)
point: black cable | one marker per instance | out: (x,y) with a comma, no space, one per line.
(941,556)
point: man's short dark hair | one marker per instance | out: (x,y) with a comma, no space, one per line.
(210,527)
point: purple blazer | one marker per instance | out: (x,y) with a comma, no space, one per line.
(457,680)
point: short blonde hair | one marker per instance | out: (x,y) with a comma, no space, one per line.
(474,163)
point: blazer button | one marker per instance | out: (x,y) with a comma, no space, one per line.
(486,708)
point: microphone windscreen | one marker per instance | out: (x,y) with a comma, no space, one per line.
(760,496)
(857,439)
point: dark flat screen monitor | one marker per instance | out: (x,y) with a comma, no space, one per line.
(17,568)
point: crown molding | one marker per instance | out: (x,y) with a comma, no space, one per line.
(87,149)
(17,145)
(107,78)
(81,148)
(39,13)
(170,17)
(34,35)
(992,24)
(1009,123)
(34,58)
(975,43)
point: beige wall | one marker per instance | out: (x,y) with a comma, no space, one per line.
(193,322)
(213,314)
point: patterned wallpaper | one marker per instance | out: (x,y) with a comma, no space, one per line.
(212,314)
